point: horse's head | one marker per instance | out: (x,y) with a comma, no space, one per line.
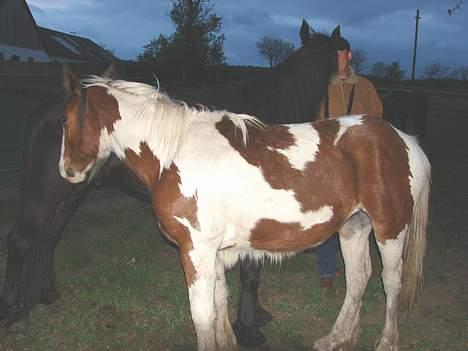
(83,149)
(321,43)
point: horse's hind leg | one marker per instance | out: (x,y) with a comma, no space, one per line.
(250,315)
(391,252)
(354,240)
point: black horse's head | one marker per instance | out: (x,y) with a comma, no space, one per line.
(292,91)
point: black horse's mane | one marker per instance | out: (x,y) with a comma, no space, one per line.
(50,112)
(290,92)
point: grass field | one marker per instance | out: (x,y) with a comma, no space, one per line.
(123,288)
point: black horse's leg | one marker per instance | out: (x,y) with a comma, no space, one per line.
(250,315)
(30,273)
(12,274)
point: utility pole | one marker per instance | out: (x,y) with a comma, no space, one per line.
(415,44)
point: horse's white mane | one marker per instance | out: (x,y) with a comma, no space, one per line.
(166,119)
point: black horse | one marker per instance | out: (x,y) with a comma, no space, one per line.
(401,107)
(290,92)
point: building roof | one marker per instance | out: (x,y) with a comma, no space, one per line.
(73,47)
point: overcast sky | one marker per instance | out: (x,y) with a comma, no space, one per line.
(383,29)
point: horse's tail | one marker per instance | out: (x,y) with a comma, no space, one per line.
(415,243)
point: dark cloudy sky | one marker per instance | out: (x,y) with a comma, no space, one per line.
(383,29)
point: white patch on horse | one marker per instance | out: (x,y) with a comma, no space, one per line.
(347,122)
(228,188)
(418,164)
(305,148)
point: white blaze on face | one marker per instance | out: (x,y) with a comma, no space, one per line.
(79,176)
(305,148)
(347,122)
(103,153)
(61,161)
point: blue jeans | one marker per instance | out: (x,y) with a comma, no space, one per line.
(326,257)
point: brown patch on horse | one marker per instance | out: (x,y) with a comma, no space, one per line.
(329,179)
(82,150)
(321,179)
(378,148)
(171,200)
(170,205)
(258,152)
(105,105)
(144,164)
(324,181)
(272,235)
(83,131)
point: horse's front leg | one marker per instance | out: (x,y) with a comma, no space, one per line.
(200,272)
(225,339)
(30,273)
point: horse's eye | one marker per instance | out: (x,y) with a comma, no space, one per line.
(64,120)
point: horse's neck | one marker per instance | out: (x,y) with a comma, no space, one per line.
(144,165)
(148,140)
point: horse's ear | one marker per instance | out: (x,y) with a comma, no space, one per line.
(336,33)
(110,72)
(305,32)
(71,83)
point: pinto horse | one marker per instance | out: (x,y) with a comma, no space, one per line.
(289,92)
(225,186)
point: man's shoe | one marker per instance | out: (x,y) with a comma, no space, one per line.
(326,283)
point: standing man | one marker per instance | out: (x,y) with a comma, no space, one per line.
(348,94)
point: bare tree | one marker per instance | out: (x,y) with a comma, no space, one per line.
(378,69)
(462,72)
(359,60)
(394,72)
(274,50)
(435,71)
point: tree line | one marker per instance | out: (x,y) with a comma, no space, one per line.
(198,42)
(393,70)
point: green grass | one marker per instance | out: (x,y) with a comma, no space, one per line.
(123,288)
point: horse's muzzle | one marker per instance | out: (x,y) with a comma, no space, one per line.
(70,172)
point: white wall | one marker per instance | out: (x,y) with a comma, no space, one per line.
(23,53)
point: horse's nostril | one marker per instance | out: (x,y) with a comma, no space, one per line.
(70,172)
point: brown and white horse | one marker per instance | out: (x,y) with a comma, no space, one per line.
(225,186)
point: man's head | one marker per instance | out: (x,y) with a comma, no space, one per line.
(344,54)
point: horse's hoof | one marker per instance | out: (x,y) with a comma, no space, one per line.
(262,317)
(49,297)
(3,310)
(248,336)
(16,318)
(387,344)
(323,344)
(17,324)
